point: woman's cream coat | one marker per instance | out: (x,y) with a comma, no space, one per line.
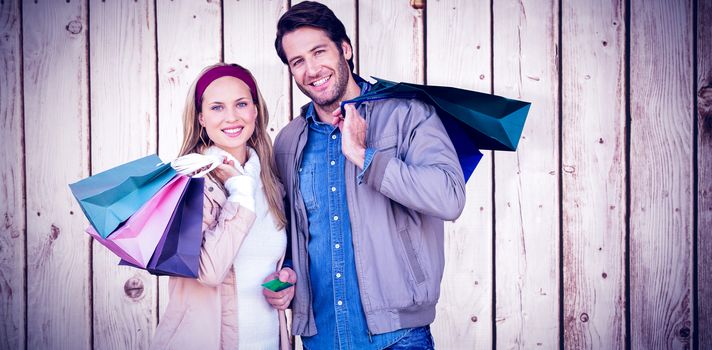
(202,313)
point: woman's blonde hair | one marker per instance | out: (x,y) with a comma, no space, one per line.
(196,140)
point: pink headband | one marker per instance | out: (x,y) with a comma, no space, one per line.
(231,70)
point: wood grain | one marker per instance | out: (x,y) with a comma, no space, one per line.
(12,173)
(661,148)
(123,128)
(593,78)
(527,181)
(459,54)
(704,175)
(391,41)
(57,153)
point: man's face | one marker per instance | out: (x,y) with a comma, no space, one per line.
(320,70)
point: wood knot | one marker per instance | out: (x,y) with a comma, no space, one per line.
(584,317)
(704,106)
(684,332)
(133,288)
(54,233)
(417,4)
(74,27)
(473,318)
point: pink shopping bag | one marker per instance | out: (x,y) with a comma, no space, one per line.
(136,240)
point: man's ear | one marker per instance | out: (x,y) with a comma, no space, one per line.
(347,50)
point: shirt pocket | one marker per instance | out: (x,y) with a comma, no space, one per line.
(307,186)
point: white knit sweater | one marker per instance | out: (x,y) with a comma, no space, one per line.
(258,323)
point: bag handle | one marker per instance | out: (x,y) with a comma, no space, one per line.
(194,162)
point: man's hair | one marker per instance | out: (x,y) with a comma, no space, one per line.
(311,14)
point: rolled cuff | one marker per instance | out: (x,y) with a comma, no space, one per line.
(370,152)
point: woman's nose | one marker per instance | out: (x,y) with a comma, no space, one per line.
(233,114)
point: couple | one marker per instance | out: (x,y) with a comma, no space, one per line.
(349,208)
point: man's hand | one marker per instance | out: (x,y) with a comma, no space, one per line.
(353,134)
(280,300)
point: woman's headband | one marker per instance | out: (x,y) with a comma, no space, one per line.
(214,73)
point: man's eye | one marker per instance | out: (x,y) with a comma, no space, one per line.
(296,63)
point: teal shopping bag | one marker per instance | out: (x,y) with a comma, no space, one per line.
(111,197)
(474,120)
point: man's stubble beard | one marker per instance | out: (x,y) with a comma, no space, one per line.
(330,103)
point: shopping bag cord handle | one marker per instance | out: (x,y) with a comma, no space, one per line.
(193,162)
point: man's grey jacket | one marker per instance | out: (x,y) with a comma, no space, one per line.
(413,183)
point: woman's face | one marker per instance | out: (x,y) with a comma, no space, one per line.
(229,114)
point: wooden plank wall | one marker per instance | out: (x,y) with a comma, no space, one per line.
(123,128)
(459,54)
(526,186)
(57,143)
(703,91)
(12,173)
(661,174)
(593,157)
(594,235)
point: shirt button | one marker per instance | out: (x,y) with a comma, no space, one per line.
(338,275)
(333,137)
(336,218)
(333,162)
(339,303)
(337,245)
(333,189)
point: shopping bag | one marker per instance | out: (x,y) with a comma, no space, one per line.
(111,197)
(137,238)
(474,120)
(178,251)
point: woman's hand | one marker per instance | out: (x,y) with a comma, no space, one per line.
(226,170)
(281,300)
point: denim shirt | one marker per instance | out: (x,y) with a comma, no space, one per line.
(339,315)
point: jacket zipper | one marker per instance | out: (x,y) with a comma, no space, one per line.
(302,215)
(355,229)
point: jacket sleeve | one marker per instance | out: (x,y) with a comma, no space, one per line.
(425,174)
(224,228)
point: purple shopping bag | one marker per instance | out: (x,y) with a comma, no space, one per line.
(136,239)
(178,251)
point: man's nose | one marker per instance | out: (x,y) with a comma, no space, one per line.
(312,68)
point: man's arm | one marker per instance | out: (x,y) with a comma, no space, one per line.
(428,179)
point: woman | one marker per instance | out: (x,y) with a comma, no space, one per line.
(243,223)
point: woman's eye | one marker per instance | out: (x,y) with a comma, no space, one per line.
(216,108)
(242,104)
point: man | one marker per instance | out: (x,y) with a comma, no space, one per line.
(367,194)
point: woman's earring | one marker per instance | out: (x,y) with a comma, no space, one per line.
(201,136)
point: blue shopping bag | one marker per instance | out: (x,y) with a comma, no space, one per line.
(111,197)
